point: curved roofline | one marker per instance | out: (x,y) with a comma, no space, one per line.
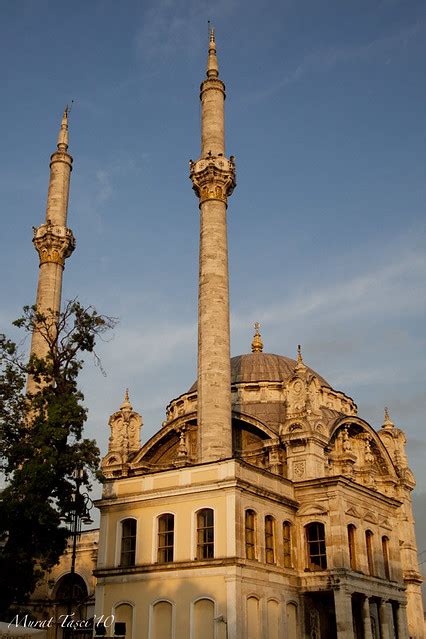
(281,377)
(361,422)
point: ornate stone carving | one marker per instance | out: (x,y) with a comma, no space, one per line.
(182,449)
(53,243)
(124,440)
(274,456)
(213,177)
(299,469)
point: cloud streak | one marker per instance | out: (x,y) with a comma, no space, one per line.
(326,59)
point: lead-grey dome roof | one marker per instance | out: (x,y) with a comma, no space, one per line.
(263,367)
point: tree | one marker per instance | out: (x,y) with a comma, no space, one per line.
(42,444)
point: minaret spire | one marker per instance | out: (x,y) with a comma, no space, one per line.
(212,64)
(53,241)
(213,179)
(63,132)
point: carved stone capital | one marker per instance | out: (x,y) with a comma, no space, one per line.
(53,243)
(213,177)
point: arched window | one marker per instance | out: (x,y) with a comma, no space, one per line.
(128,543)
(250,528)
(315,540)
(203,619)
(351,544)
(385,549)
(162,620)
(287,545)
(369,546)
(291,612)
(253,618)
(273,617)
(205,534)
(269,539)
(123,614)
(166,533)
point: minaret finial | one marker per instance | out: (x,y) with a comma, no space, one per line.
(212,65)
(387,422)
(257,344)
(63,131)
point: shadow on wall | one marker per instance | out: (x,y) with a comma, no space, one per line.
(419,503)
(169,609)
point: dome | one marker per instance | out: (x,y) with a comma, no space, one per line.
(263,367)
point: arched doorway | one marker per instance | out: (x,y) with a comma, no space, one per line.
(72,598)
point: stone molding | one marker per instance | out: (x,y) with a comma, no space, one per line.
(53,243)
(213,177)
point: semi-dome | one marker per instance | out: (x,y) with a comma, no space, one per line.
(264,367)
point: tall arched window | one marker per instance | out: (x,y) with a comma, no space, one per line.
(128,543)
(253,618)
(123,615)
(203,619)
(315,540)
(385,549)
(250,530)
(162,620)
(205,534)
(291,613)
(269,539)
(369,547)
(351,544)
(166,533)
(287,545)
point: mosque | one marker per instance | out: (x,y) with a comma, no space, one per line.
(264,507)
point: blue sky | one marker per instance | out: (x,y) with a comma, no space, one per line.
(325,113)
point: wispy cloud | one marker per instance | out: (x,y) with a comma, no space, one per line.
(325,59)
(373,292)
(169,26)
(104,186)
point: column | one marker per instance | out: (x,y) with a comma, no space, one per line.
(366,619)
(384,620)
(401,621)
(344,615)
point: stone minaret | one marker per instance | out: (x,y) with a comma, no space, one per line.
(53,241)
(213,179)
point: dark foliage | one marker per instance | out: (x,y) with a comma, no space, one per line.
(42,445)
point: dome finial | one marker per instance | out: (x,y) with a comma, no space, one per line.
(387,423)
(257,344)
(126,403)
(300,365)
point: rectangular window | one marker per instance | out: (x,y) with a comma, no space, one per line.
(351,542)
(269,540)
(315,539)
(205,534)
(287,545)
(385,548)
(128,543)
(250,534)
(369,546)
(166,532)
